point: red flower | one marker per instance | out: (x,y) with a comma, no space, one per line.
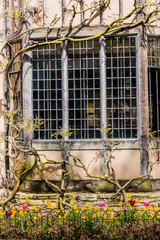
(10,212)
(132,202)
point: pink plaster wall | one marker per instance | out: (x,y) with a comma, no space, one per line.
(91,161)
(95,18)
(126,163)
(54,11)
(112,12)
(154,155)
(69,13)
(50,171)
(128,6)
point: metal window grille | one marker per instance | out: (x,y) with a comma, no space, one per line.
(121,86)
(84,89)
(47,90)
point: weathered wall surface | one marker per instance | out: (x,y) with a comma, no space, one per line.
(126,163)
(155,157)
(92,162)
(58,13)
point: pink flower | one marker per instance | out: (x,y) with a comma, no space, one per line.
(25,206)
(101,204)
(146,203)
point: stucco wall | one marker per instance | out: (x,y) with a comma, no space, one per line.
(155,160)
(92,162)
(126,163)
(50,171)
(53,12)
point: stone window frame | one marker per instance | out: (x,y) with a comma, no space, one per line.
(103,86)
(130,143)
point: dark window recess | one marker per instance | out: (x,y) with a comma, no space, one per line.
(154,100)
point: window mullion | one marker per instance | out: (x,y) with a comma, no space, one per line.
(103,81)
(64,63)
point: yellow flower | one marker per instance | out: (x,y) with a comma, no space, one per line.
(57,203)
(39,214)
(34,208)
(112,217)
(90,207)
(107,207)
(86,205)
(49,204)
(26,197)
(75,207)
(71,203)
(34,218)
(12,206)
(82,209)
(129,195)
(95,208)
(99,214)
(136,200)
(59,217)
(21,213)
(120,204)
(2,202)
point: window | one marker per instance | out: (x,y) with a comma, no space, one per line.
(154,83)
(47,90)
(84,88)
(121,87)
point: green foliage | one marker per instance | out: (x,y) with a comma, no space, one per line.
(106,130)
(62,133)
(31,124)
(86,223)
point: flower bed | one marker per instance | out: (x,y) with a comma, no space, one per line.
(99,222)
